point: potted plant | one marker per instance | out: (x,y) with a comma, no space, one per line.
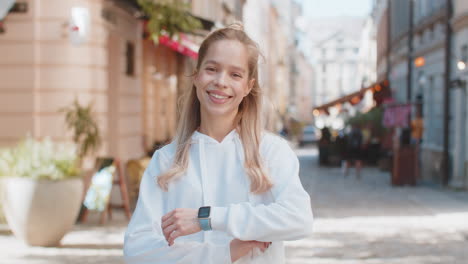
(42,180)
(42,190)
(86,135)
(80,120)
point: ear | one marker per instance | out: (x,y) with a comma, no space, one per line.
(250,86)
(195,78)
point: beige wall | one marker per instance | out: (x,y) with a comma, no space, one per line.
(17,75)
(41,71)
(124,91)
(223,11)
(277,63)
(304,81)
(160,92)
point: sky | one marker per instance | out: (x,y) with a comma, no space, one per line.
(327,8)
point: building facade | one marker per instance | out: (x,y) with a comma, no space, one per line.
(267,23)
(56,51)
(301,99)
(428,82)
(46,62)
(413,56)
(343,58)
(460,49)
(399,53)
(380,14)
(335,55)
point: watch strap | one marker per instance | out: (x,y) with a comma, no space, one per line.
(205,223)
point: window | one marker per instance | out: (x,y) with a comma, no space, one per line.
(431,32)
(464,53)
(339,51)
(130,59)
(324,53)
(324,67)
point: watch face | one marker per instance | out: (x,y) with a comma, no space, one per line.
(204,212)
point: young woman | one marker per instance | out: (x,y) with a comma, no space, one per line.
(224,190)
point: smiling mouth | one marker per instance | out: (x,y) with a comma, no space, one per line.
(218,96)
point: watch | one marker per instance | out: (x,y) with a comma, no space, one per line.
(204,218)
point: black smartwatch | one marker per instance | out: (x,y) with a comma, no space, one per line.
(204,218)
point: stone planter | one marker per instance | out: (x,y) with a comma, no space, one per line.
(41,212)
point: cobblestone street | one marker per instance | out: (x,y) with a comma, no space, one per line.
(368,221)
(356,221)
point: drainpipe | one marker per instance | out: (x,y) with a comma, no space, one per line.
(448,52)
(410,54)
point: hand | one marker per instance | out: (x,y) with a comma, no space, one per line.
(180,222)
(241,248)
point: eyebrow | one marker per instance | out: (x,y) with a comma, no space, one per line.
(232,66)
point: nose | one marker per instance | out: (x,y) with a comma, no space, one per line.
(221,79)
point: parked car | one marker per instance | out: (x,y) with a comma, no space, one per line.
(309,135)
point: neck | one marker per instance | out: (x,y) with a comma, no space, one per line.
(217,127)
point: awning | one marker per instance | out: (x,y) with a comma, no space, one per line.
(179,43)
(353,98)
(183,46)
(380,89)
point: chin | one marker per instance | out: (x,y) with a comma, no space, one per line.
(219,111)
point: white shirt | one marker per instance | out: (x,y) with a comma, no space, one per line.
(216,177)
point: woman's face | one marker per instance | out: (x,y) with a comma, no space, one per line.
(223,79)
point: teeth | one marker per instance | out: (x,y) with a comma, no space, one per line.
(218,96)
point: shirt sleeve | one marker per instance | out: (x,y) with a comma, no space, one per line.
(144,239)
(289,217)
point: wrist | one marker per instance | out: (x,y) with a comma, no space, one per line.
(218,218)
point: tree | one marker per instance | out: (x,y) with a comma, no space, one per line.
(168,17)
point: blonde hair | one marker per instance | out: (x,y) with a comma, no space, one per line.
(248,116)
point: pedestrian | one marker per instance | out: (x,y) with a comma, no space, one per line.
(324,145)
(224,190)
(354,151)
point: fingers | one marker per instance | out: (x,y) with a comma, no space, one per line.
(168,230)
(179,222)
(167,216)
(173,237)
(263,246)
(169,221)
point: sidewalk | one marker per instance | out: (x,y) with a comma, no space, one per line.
(369,221)
(85,244)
